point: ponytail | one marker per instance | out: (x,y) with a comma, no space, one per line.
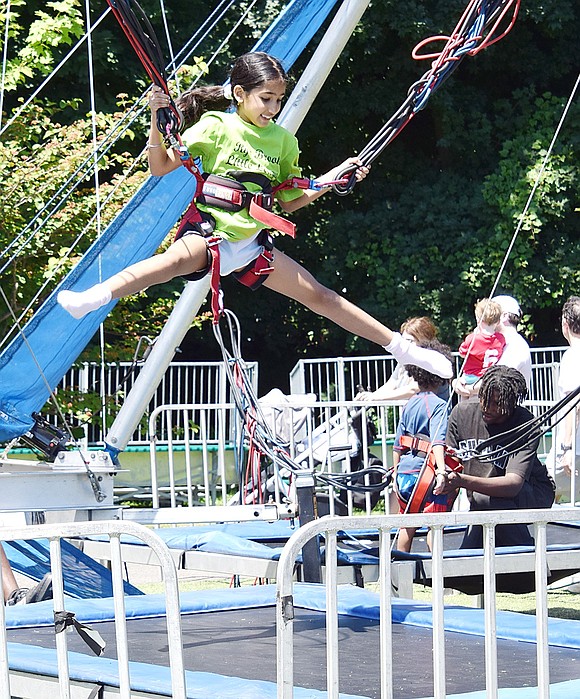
(195,102)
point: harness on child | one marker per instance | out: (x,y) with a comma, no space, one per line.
(420,445)
(230,193)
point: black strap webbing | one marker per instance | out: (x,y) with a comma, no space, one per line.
(94,640)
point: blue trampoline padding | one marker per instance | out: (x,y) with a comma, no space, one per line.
(352,601)
(82,575)
(148,678)
(192,539)
(278,531)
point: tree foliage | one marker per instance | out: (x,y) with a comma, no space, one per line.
(427,232)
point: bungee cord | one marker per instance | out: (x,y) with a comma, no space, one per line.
(479,27)
(521,433)
(261,440)
(141,35)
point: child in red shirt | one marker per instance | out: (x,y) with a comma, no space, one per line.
(484,346)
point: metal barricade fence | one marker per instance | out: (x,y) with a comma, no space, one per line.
(202,382)
(333,379)
(329,527)
(196,458)
(14,684)
(338,378)
(61,686)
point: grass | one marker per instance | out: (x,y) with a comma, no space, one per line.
(561,603)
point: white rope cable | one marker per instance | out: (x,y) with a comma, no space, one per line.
(97,194)
(171,64)
(536,184)
(528,203)
(4,60)
(47,284)
(235,28)
(209,24)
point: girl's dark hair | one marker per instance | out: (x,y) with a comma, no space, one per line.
(425,378)
(249,71)
(505,385)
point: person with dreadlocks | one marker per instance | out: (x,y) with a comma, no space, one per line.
(501,470)
(246,141)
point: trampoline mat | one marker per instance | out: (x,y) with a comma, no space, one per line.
(242,643)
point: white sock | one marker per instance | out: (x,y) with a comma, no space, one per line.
(79,303)
(407,352)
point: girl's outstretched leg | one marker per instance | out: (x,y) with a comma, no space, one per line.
(186,255)
(293,280)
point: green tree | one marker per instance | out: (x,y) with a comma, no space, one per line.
(425,233)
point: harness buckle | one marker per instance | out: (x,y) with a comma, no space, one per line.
(264,199)
(268,256)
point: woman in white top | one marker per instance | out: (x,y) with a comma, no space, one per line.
(400,386)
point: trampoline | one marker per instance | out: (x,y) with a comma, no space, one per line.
(233,633)
(253,548)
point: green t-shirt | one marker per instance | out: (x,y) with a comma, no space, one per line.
(225,142)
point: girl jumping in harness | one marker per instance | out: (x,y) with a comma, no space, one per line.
(247,140)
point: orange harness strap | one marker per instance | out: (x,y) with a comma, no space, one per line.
(426,479)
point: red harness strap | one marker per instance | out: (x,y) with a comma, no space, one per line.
(426,479)
(270,219)
(230,194)
(217,306)
(253,274)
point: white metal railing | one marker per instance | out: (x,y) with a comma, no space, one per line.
(338,378)
(203,382)
(114,529)
(195,453)
(200,438)
(202,460)
(335,378)
(330,526)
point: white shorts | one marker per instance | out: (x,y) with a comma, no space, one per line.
(238,254)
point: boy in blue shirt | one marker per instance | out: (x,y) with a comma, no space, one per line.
(421,430)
